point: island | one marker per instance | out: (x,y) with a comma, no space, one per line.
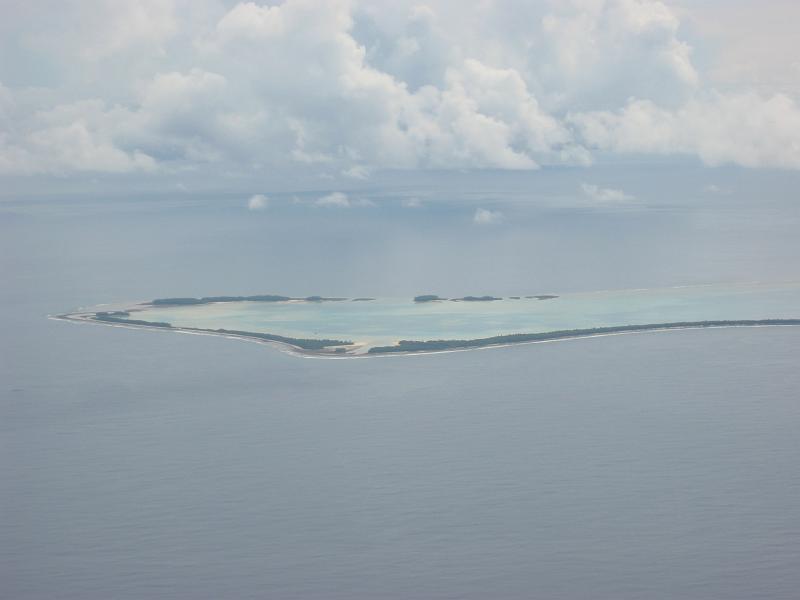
(214,299)
(118,318)
(521,338)
(258,298)
(301,326)
(323,299)
(476,299)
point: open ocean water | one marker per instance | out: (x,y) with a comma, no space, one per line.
(139,464)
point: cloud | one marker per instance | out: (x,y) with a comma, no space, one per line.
(348,87)
(411,202)
(342,200)
(713,188)
(605,195)
(226,108)
(257,202)
(485,216)
(356,172)
(592,49)
(757,46)
(335,200)
(488,117)
(77,136)
(743,129)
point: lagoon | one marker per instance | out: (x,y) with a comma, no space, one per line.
(379,324)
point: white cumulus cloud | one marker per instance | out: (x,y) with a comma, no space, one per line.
(713,188)
(605,195)
(413,202)
(356,172)
(257,202)
(744,129)
(335,200)
(484,216)
(348,87)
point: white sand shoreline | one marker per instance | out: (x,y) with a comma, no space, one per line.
(293,350)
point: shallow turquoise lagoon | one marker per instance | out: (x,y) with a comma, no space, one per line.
(387,320)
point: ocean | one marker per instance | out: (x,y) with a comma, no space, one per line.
(148,464)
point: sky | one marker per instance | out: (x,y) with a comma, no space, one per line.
(188,95)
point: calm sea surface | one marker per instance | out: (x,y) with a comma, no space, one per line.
(138,464)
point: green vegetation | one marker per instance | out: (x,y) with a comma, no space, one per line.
(306,344)
(111,318)
(276,298)
(210,299)
(476,299)
(432,345)
(259,298)
(340,346)
(322,299)
(176,301)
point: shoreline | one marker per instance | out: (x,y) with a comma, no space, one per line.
(435,346)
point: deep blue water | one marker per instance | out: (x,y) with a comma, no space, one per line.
(140,464)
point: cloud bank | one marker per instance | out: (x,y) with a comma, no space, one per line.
(346,87)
